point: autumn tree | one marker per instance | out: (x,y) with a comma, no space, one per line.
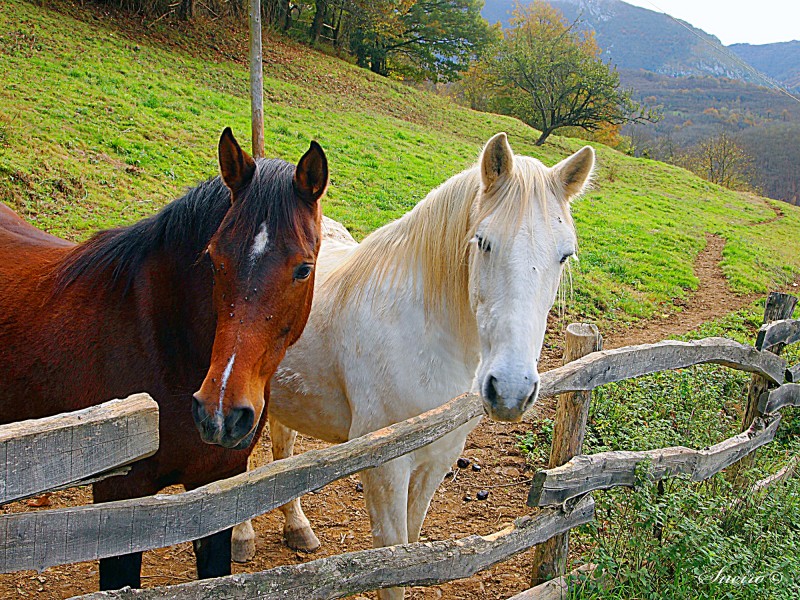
(720,159)
(548,73)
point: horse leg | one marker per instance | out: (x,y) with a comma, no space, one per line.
(126,570)
(296,529)
(213,554)
(243,537)
(431,464)
(119,571)
(386,495)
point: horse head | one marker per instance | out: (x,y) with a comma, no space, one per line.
(262,258)
(523,236)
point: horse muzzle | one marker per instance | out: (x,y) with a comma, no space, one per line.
(508,400)
(233,429)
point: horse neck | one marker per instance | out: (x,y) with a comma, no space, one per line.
(175,295)
(431,252)
(177,284)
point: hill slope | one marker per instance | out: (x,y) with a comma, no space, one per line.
(102,121)
(781,60)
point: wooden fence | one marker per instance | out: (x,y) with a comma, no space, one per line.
(37,540)
(68,449)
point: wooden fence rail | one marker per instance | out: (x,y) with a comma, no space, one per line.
(784,332)
(774,400)
(606,470)
(27,540)
(422,563)
(43,454)
(611,366)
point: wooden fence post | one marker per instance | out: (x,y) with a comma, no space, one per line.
(550,558)
(256,80)
(779,306)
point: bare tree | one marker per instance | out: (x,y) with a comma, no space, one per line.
(720,159)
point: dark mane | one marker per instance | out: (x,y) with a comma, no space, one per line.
(185,226)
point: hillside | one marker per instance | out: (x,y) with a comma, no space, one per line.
(103,120)
(696,107)
(781,60)
(764,122)
(635,38)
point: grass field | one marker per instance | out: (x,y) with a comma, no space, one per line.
(101,126)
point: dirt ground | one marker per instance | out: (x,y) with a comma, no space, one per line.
(338,513)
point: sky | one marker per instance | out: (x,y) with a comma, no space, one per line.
(735,21)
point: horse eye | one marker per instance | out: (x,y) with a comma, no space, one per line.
(303,271)
(483,244)
(564,258)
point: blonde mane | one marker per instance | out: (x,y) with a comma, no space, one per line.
(430,244)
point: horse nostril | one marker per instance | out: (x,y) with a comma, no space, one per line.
(198,411)
(239,422)
(490,391)
(532,398)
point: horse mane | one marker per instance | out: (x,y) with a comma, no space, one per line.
(185,226)
(430,243)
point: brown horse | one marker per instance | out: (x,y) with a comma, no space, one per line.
(206,295)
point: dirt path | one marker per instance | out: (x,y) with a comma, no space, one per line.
(712,299)
(338,512)
(779,214)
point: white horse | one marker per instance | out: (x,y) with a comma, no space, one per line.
(452,296)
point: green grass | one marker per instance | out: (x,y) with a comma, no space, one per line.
(100,126)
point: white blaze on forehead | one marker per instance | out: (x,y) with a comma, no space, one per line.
(225,375)
(260,242)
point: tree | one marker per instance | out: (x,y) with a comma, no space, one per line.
(422,39)
(320,11)
(722,160)
(548,73)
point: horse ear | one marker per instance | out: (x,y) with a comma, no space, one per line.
(575,172)
(311,174)
(497,160)
(235,165)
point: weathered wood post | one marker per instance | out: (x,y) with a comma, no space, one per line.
(256,80)
(779,306)
(550,558)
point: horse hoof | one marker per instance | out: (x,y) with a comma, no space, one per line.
(243,543)
(302,540)
(243,551)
